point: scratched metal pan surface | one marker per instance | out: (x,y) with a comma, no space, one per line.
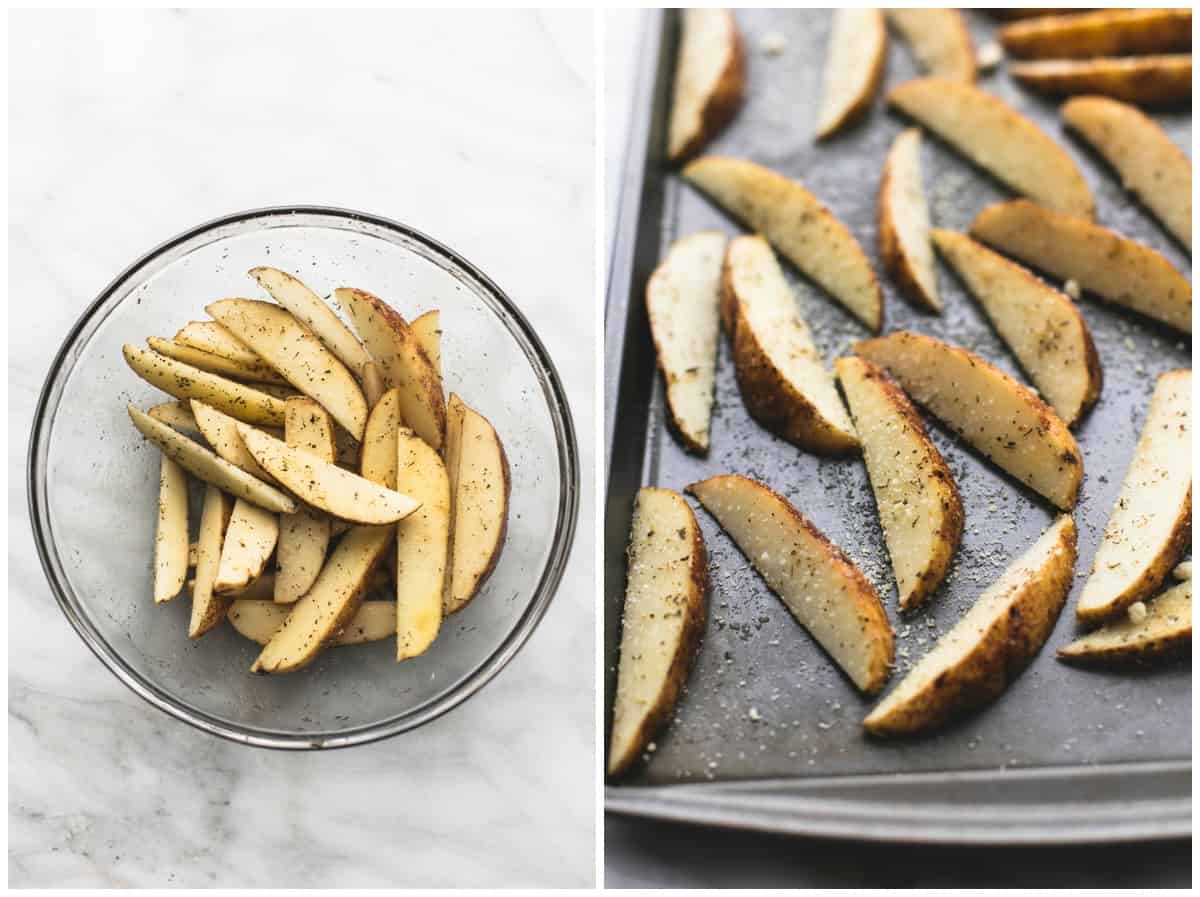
(767,733)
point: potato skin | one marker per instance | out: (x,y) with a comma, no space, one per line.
(1127,32)
(1143,80)
(723,103)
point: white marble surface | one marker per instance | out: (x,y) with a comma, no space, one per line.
(126,128)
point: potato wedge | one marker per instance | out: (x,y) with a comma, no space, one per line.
(998,139)
(303,536)
(1036,12)
(184,381)
(220,431)
(324,485)
(208,608)
(821,587)
(171,534)
(330,604)
(973,663)
(919,507)
(422,545)
(1149,163)
(666,605)
(307,307)
(396,350)
(378,455)
(427,328)
(258,371)
(1151,523)
(177,414)
(260,620)
(249,541)
(682,297)
(1108,32)
(211,337)
(939,39)
(1145,80)
(299,356)
(211,468)
(480,484)
(904,221)
(710,79)
(1166,629)
(780,372)
(853,67)
(798,226)
(1183,572)
(993,413)
(373,385)
(263,589)
(1101,261)
(1042,327)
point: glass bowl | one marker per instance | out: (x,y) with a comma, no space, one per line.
(93,482)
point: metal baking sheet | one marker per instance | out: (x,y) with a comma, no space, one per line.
(767,733)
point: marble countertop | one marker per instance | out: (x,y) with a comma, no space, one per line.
(127,128)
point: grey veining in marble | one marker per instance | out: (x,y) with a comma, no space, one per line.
(128,127)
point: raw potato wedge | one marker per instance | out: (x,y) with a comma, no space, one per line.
(324,485)
(973,663)
(1145,80)
(780,372)
(666,605)
(177,414)
(422,545)
(211,468)
(404,363)
(260,620)
(919,507)
(171,535)
(1151,523)
(312,311)
(1042,327)
(1099,260)
(1166,630)
(710,79)
(249,540)
(299,356)
(215,364)
(853,68)
(997,138)
(373,385)
(993,413)
(1109,32)
(303,536)
(208,608)
(904,221)
(427,328)
(682,297)
(184,381)
(821,587)
(378,454)
(220,431)
(211,337)
(330,604)
(796,223)
(1149,163)
(939,39)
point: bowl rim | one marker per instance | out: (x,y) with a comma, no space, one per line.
(543,593)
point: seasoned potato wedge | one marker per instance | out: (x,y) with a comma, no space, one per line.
(211,337)
(666,604)
(208,608)
(710,78)
(171,534)
(427,328)
(992,412)
(853,68)
(939,39)
(1165,630)
(259,621)
(177,414)
(1149,163)
(220,431)
(373,384)
(377,457)
(291,348)
(249,541)
(919,507)
(1151,523)
(798,226)
(422,545)
(308,308)
(682,298)
(303,536)
(1145,80)
(1042,327)
(1101,261)
(1108,32)
(904,222)
(184,381)
(997,138)
(781,374)
(819,585)
(1183,572)
(211,468)
(974,662)
(258,371)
